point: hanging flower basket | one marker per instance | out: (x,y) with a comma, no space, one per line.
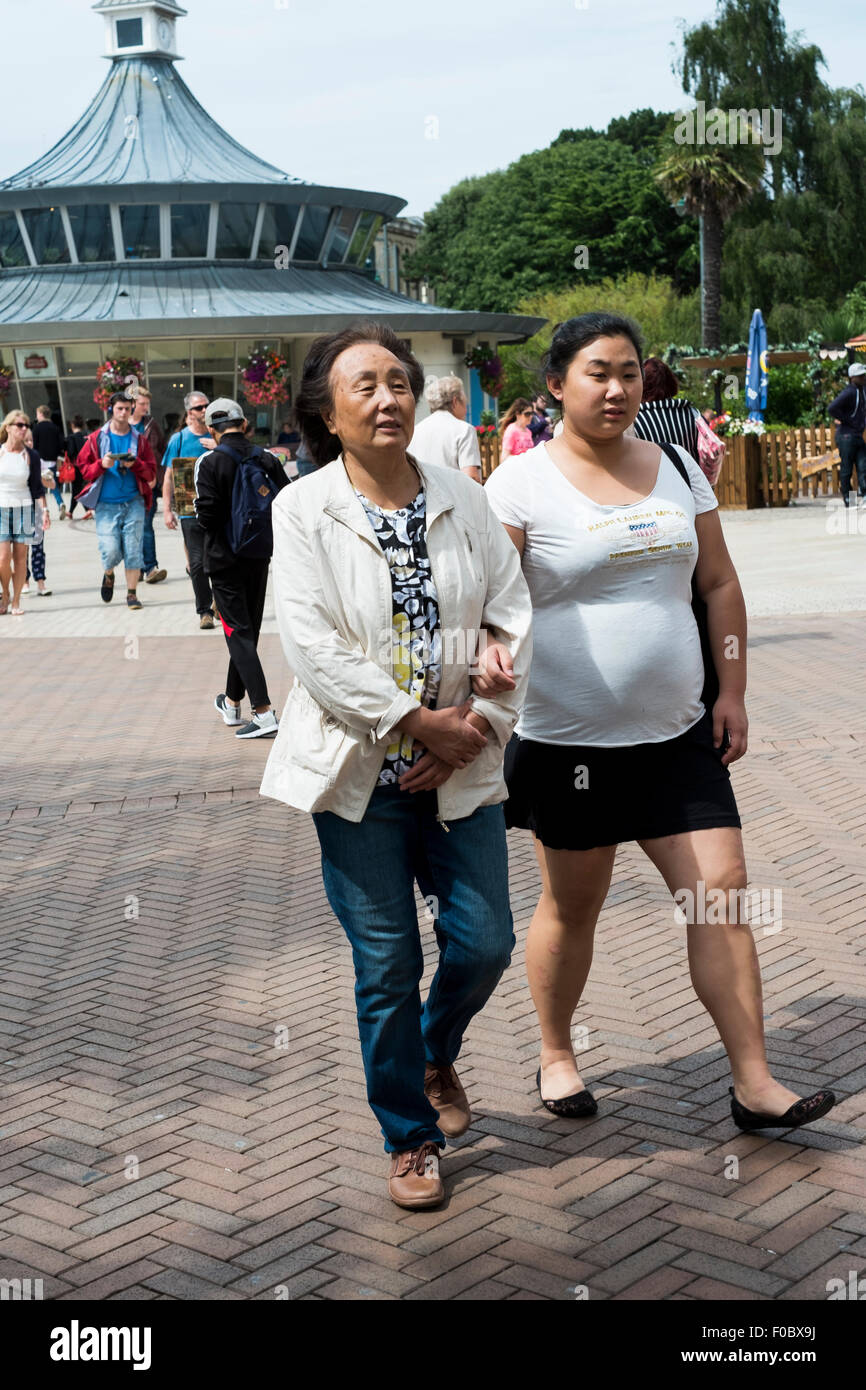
(266,378)
(6,378)
(115,375)
(488,365)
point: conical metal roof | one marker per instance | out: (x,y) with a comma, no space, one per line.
(144,126)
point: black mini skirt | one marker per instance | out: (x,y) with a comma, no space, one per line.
(578,796)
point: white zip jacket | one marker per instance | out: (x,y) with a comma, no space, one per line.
(332,590)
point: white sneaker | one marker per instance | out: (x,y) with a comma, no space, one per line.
(260,726)
(231,713)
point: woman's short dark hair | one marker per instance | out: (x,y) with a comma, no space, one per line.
(659,382)
(572,335)
(315,394)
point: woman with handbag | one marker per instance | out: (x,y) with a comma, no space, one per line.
(667,417)
(22,495)
(615,743)
(385,572)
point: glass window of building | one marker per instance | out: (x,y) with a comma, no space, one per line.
(169,359)
(42,392)
(77,393)
(213,355)
(312,234)
(12,250)
(361,250)
(189,225)
(140,232)
(235,227)
(278,229)
(81,359)
(340,240)
(129,33)
(91,229)
(47,237)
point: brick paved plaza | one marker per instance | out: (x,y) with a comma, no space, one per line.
(166,933)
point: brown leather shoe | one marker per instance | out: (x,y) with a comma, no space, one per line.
(414,1179)
(443,1090)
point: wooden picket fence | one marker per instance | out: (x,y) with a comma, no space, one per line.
(490,446)
(760,470)
(772,469)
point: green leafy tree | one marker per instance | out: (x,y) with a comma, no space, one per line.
(651,300)
(493,241)
(642,131)
(712,181)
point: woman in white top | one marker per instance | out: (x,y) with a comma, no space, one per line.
(445,438)
(21,493)
(387,575)
(614,742)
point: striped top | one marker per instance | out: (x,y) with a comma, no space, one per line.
(668,422)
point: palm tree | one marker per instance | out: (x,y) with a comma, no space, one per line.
(711,181)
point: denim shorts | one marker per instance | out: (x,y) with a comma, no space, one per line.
(17,524)
(119,532)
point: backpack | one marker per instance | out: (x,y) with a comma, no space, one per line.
(710,692)
(249,532)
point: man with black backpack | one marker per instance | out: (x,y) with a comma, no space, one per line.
(236,484)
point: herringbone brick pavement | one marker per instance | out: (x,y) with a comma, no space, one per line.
(183,1113)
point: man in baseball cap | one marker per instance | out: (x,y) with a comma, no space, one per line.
(222,414)
(849,413)
(239,581)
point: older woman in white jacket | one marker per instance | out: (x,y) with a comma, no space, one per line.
(388,576)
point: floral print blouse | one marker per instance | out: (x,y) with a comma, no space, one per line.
(416,661)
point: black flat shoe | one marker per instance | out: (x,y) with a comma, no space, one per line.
(802,1112)
(577,1107)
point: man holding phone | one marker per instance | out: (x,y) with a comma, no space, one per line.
(119,464)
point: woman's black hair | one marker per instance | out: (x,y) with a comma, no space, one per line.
(572,335)
(315,394)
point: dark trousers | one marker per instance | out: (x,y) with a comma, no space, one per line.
(852,454)
(148,539)
(240,598)
(193,536)
(78,485)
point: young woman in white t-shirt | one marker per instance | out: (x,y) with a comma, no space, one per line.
(614,742)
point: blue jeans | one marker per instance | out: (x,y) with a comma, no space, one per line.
(148,539)
(119,529)
(369,871)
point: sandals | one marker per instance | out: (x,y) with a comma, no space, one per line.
(17,612)
(575,1107)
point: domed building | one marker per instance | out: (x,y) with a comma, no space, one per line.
(148,232)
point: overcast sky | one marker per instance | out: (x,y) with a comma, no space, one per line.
(349,92)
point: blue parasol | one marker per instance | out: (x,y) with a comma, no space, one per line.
(756,367)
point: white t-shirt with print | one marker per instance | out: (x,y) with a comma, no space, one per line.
(616,653)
